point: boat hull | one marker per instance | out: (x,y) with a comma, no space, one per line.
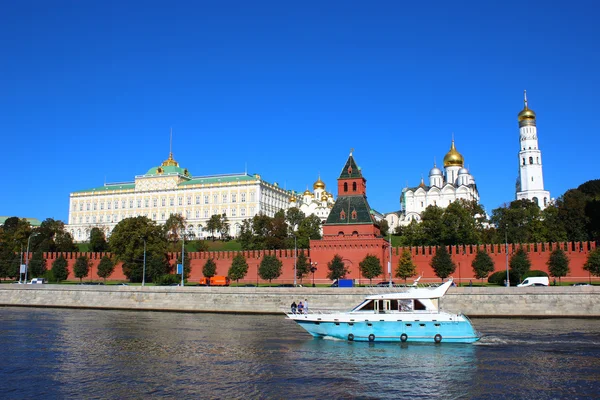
(393,331)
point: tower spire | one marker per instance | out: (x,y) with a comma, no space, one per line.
(525,98)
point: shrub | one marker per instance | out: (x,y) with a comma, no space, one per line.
(498,278)
(168,279)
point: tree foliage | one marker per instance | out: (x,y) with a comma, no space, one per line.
(59,269)
(520,263)
(218,223)
(337,268)
(270,268)
(37,265)
(370,267)
(482,265)
(406,267)
(209,269)
(239,268)
(558,264)
(106,267)
(302,266)
(592,263)
(442,263)
(126,243)
(81,269)
(98,240)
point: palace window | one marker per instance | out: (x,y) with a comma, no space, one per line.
(80,219)
(224,212)
(130,203)
(94,219)
(233,197)
(243,197)
(205,213)
(139,203)
(215,199)
(189,200)
(95,205)
(224,198)
(80,206)
(205,199)
(87,206)
(154,216)
(108,203)
(252,197)
(101,218)
(233,212)
(123,203)
(87,219)
(154,202)
(197,213)
(162,216)
(187,215)
(197,199)
(180,201)
(163,201)
(146,203)
(251,210)
(243,212)
(171,201)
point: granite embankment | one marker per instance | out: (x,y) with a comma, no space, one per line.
(565,301)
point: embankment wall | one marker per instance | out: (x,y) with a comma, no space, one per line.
(472,301)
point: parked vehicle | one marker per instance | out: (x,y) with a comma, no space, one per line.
(535,281)
(215,281)
(343,283)
(35,281)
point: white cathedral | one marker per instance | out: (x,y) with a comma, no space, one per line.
(455,182)
(444,187)
(319,202)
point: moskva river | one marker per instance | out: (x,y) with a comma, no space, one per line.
(83,354)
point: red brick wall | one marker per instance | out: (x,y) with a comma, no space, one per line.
(353,252)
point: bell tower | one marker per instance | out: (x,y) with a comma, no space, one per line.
(530,184)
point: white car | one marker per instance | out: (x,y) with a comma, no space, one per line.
(35,281)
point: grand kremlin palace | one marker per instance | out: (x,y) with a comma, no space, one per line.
(169,189)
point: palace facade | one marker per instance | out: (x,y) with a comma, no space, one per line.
(170,189)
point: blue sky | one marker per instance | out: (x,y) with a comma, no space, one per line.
(90,89)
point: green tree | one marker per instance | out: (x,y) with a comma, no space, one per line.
(52,237)
(270,268)
(59,269)
(442,263)
(432,226)
(174,228)
(98,240)
(105,268)
(553,226)
(294,217)
(37,265)
(406,267)
(246,236)
(126,243)
(14,233)
(157,266)
(459,223)
(302,266)
(337,268)
(309,229)
(239,268)
(384,227)
(520,263)
(593,262)
(224,227)
(571,211)
(81,269)
(370,267)
(482,265)
(558,264)
(521,220)
(213,225)
(209,269)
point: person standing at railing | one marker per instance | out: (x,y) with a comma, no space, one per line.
(305,306)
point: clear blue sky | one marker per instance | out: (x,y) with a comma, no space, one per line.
(89,91)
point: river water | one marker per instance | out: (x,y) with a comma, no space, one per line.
(58,354)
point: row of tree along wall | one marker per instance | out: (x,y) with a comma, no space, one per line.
(353,254)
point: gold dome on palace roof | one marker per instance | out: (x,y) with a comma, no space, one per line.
(453,158)
(307,192)
(170,162)
(319,184)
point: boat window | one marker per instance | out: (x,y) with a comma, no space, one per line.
(350,323)
(422,325)
(419,305)
(405,305)
(369,324)
(408,324)
(394,305)
(366,306)
(437,324)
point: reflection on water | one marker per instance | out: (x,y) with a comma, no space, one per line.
(113,354)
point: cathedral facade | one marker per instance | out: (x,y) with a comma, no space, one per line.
(319,202)
(444,187)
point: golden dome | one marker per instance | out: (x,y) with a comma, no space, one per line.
(319,184)
(323,197)
(307,192)
(526,116)
(170,162)
(293,199)
(453,158)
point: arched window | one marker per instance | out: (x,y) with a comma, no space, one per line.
(342,215)
(354,186)
(535,200)
(530,160)
(354,214)
(523,160)
(340,233)
(355,233)
(537,160)
(345,186)
(545,201)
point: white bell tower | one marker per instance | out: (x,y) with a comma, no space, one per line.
(531,179)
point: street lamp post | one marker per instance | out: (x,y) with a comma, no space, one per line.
(313,268)
(295,260)
(27,256)
(144,269)
(506,248)
(390,262)
(182,257)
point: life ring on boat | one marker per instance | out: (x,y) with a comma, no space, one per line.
(371,338)
(403,337)
(350,337)
(437,338)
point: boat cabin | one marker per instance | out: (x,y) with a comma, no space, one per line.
(383,306)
